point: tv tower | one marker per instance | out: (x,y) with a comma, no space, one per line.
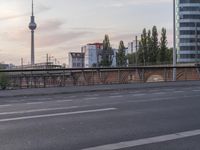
(32,27)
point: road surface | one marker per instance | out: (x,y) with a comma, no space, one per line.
(166,118)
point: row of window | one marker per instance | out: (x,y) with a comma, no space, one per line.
(189,9)
(191,56)
(194,16)
(189,40)
(189,1)
(189,48)
(189,24)
(189,32)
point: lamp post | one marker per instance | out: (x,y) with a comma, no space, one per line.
(174,40)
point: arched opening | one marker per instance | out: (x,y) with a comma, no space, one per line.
(155,78)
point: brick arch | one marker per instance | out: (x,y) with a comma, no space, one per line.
(154,76)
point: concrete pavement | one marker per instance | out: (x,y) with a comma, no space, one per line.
(103,118)
(82,89)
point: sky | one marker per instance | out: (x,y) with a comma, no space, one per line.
(66,25)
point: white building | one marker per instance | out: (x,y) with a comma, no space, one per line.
(131,48)
(188,30)
(92,52)
(76,60)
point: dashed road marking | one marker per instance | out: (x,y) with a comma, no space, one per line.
(152,140)
(196,90)
(90,98)
(57,114)
(7,105)
(138,94)
(159,93)
(37,110)
(178,91)
(116,96)
(34,103)
(61,101)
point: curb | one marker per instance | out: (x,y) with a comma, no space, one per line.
(102,88)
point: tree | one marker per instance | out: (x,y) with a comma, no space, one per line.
(144,46)
(107,53)
(121,55)
(4,82)
(149,49)
(131,59)
(163,47)
(169,54)
(155,47)
(140,54)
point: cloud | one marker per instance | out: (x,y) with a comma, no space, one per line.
(41,8)
(123,3)
(58,38)
(50,25)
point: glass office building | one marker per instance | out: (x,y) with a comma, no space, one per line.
(188,31)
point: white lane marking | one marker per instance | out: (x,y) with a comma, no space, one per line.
(57,114)
(37,110)
(116,96)
(94,95)
(178,91)
(146,141)
(72,96)
(41,99)
(34,103)
(7,105)
(90,98)
(196,90)
(159,93)
(60,101)
(138,94)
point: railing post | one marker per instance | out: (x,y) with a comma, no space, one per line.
(92,77)
(165,74)
(44,80)
(185,74)
(118,76)
(143,77)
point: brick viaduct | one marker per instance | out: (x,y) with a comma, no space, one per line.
(95,76)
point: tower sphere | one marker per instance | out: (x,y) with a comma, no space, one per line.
(32,26)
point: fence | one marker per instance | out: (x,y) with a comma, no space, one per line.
(40,78)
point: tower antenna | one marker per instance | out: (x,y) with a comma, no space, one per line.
(32,9)
(32,27)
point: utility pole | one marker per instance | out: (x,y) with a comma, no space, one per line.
(174,40)
(22,63)
(47,58)
(136,48)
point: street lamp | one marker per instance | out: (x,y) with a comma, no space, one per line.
(174,40)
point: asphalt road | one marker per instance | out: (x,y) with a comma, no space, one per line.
(164,118)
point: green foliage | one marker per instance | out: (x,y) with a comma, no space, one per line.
(169,54)
(107,53)
(132,59)
(151,50)
(155,46)
(162,57)
(149,47)
(140,54)
(121,55)
(3,81)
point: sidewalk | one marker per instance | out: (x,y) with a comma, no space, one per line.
(95,88)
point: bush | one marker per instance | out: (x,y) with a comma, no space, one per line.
(3,81)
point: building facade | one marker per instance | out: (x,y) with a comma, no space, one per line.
(131,48)
(76,60)
(92,52)
(188,31)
